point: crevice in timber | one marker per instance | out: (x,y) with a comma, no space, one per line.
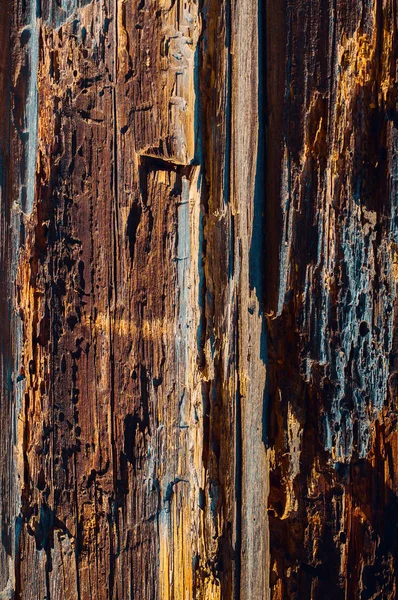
(148,163)
(228,105)
(257,253)
(133,222)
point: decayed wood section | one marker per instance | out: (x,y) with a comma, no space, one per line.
(199,237)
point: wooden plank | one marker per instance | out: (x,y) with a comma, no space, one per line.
(198,283)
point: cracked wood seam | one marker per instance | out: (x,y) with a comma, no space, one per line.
(198,266)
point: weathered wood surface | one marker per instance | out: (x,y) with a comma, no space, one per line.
(198,290)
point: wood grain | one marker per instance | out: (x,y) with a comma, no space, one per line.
(198,289)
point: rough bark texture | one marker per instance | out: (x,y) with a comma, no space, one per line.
(332,347)
(199,238)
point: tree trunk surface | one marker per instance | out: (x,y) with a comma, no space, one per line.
(199,267)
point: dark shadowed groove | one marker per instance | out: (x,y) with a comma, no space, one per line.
(257,254)
(228,107)
(133,222)
(257,249)
(198,108)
